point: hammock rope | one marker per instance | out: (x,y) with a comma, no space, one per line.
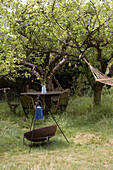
(99,76)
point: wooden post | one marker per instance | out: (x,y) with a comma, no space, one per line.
(27,88)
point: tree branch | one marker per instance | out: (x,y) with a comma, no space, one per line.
(59,65)
(54,16)
(29,65)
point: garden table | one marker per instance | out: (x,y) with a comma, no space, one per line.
(45,98)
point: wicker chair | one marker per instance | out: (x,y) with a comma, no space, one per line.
(63,100)
(27,105)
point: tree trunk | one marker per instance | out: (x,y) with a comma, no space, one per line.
(97,91)
(50,85)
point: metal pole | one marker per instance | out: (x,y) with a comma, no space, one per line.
(32,135)
(58,126)
(31,123)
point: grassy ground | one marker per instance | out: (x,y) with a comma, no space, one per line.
(89,131)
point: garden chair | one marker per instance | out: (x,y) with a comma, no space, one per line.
(55,98)
(63,100)
(27,105)
(12,105)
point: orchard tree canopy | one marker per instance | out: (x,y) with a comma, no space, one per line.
(46,34)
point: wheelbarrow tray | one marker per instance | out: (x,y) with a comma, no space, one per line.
(41,134)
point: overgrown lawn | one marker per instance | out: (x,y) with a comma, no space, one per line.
(89,131)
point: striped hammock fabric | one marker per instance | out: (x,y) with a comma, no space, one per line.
(99,76)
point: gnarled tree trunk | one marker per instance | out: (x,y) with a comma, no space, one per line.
(97,91)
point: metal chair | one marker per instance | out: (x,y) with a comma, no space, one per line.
(27,105)
(63,100)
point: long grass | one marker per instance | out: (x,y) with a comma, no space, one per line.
(89,131)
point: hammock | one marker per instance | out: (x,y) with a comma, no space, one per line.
(100,77)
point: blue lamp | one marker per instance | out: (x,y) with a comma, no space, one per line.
(38,112)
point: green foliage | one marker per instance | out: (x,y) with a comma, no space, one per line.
(43,33)
(67,75)
(35,28)
(107,90)
(83,87)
